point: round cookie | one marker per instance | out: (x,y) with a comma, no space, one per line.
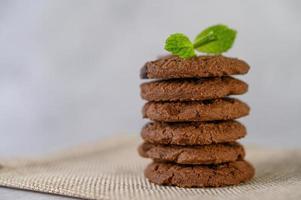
(203,154)
(192,89)
(207,110)
(192,133)
(195,67)
(232,173)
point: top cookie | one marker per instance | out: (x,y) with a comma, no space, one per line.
(196,67)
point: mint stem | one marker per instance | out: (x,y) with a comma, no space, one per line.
(204,40)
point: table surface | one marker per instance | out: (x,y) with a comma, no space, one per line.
(8,194)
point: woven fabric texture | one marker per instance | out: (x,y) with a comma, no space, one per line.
(112,170)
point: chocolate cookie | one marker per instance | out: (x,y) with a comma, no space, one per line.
(192,89)
(193,133)
(203,154)
(196,67)
(207,110)
(232,173)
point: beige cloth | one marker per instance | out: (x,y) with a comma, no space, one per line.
(112,170)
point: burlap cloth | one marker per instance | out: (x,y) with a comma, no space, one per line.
(112,169)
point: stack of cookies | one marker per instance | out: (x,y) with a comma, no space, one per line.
(193,133)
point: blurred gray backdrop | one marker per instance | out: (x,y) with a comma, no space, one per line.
(69,70)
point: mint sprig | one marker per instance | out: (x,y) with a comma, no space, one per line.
(179,44)
(213,40)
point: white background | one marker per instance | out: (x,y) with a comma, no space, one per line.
(69,70)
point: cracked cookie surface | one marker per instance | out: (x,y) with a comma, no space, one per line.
(202,154)
(195,67)
(192,89)
(232,173)
(207,110)
(193,133)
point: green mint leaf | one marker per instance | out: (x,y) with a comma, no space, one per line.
(215,39)
(179,44)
